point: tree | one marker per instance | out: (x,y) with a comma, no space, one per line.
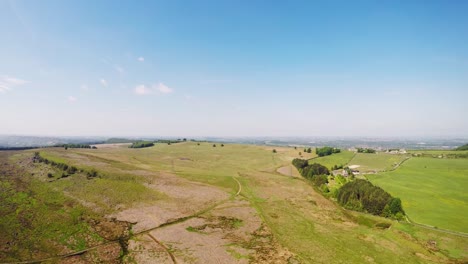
(464,147)
(198,144)
(274,150)
(222,145)
(66,147)
(185,139)
(214,145)
(362,195)
(309,150)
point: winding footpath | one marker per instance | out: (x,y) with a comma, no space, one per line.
(143,232)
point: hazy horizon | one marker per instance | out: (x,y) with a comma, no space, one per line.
(234,69)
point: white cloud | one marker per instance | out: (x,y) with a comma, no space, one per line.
(103,82)
(84,87)
(72,99)
(142,90)
(164,89)
(141,59)
(7,83)
(156,88)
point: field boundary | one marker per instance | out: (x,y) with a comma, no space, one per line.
(461,234)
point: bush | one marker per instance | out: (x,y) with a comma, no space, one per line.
(142,144)
(92,173)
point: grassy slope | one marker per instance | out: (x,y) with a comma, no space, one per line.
(433,191)
(116,186)
(37,218)
(302,220)
(341,158)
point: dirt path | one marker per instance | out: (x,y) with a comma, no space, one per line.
(460,234)
(164,247)
(143,232)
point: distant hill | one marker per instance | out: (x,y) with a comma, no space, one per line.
(464,147)
(26,142)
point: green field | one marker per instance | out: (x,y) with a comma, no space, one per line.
(433,191)
(437,152)
(376,162)
(313,228)
(341,158)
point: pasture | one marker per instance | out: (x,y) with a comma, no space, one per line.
(329,161)
(376,162)
(433,191)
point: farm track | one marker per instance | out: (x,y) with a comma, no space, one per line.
(147,231)
(460,234)
(399,164)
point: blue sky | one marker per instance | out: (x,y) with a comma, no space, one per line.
(234,68)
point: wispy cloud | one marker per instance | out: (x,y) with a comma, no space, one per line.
(103,82)
(72,99)
(156,88)
(119,69)
(164,88)
(141,59)
(8,83)
(142,90)
(84,87)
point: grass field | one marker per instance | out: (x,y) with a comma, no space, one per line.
(438,152)
(154,185)
(376,162)
(341,158)
(433,191)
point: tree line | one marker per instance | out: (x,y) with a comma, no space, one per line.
(66,169)
(362,195)
(66,146)
(325,151)
(365,150)
(464,147)
(316,173)
(359,195)
(141,144)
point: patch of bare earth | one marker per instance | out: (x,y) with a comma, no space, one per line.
(288,170)
(230,233)
(112,146)
(184,198)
